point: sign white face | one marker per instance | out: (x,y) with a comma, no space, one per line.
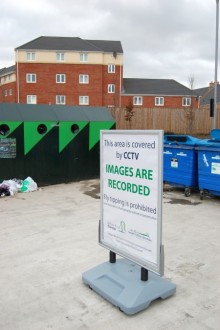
(131,195)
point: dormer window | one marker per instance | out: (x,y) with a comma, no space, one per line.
(31,56)
(83,57)
(60,57)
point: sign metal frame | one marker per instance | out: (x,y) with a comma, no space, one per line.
(141,151)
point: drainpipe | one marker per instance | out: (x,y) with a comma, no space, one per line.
(17,78)
(216,65)
(120,81)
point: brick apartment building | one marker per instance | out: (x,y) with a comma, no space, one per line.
(73,71)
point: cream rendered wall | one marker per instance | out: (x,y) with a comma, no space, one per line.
(9,78)
(70,57)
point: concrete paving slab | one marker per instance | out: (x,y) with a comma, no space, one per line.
(48,238)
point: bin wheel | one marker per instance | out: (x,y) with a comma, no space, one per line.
(201,194)
(187,192)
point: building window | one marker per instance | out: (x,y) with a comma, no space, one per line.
(83,79)
(186,101)
(31,56)
(60,57)
(111,88)
(137,100)
(83,57)
(31,99)
(31,78)
(159,100)
(111,68)
(84,100)
(5,92)
(60,78)
(60,99)
(10,91)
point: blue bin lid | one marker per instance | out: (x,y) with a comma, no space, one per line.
(181,140)
(215,134)
(211,143)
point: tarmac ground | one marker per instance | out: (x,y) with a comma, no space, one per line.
(48,238)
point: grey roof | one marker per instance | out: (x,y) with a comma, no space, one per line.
(202,91)
(5,71)
(72,44)
(154,87)
(40,112)
(207,93)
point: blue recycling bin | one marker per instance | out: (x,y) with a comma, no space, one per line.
(209,165)
(180,167)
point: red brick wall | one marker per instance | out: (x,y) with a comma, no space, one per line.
(46,87)
(8,98)
(174,102)
(112,78)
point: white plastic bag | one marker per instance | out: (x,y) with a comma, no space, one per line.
(28,185)
(13,186)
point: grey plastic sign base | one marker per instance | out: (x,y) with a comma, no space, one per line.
(120,283)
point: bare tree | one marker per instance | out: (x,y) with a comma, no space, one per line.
(129,112)
(189,111)
(191,79)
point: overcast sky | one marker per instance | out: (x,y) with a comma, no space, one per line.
(163,39)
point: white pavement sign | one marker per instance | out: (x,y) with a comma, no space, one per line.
(131,221)
(131,196)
